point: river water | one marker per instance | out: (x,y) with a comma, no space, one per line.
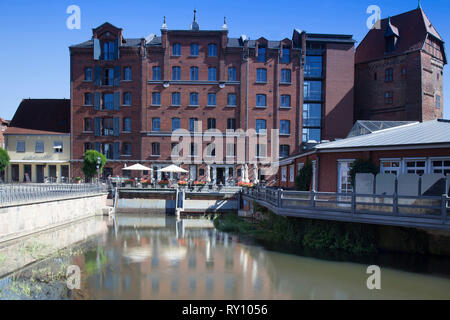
(142,257)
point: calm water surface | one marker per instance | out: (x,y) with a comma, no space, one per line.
(142,257)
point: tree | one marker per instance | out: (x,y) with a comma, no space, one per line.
(90,163)
(4,160)
(361,166)
(303,179)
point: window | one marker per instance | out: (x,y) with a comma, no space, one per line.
(261,54)
(312,115)
(390,166)
(193,99)
(415,166)
(127,73)
(261,75)
(108,101)
(231,100)
(212,50)
(232,75)
(107,127)
(108,77)
(156,73)
(176,73)
(87,146)
(283,174)
(291,173)
(404,71)
(58,146)
(39,147)
(285,76)
(126,124)
(193,149)
(260,126)
(286,58)
(176,123)
(88,99)
(194,49)
(285,101)
(440,166)
(211,150)
(312,90)
(175,149)
(176,49)
(388,97)
(156,124)
(156,98)
(108,51)
(261,150)
(261,100)
(438,101)
(108,150)
(87,125)
(127,99)
(212,74)
(126,149)
(344,184)
(155,149)
(194,73)
(313,67)
(311,134)
(231,124)
(211,99)
(211,123)
(231,149)
(20,146)
(389,75)
(285,127)
(176,99)
(193,124)
(88,74)
(284,151)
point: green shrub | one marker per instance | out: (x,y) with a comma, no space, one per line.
(4,160)
(90,163)
(361,166)
(303,179)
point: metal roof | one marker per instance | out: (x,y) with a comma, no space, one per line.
(429,132)
(368,126)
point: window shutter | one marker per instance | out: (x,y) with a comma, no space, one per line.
(96,100)
(116,150)
(97,126)
(117,75)
(116,126)
(117,48)
(97,146)
(117,101)
(97,76)
(97,49)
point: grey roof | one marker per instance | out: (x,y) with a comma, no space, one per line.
(133,42)
(429,132)
(368,126)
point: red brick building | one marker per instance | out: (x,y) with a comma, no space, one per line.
(399,70)
(129,95)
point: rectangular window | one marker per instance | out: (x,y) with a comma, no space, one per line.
(313,67)
(108,150)
(291,173)
(232,74)
(87,146)
(438,102)
(107,127)
(285,76)
(284,151)
(176,49)
(415,166)
(441,166)
(108,101)
(285,127)
(155,149)
(156,73)
(20,146)
(311,134)
(260,126)
(39,148)
(261,75)
(283,174)
(389,75)
(312,90)
(231,100)
(108,51)
(211,99)
(87,125)
(58,146)
(231,149)
(344,184)
(312,115)
(285,101)
(231,124)
(261,54)
(127,99)
(261,100)
(127,73)
(126,124)
(261,150)
(286,58)
(156,98)
(88,74)
(108,77)
(390,166)
(212,50)
(211,123)
(176,73)
(194,49)
(126,149)
(193,124)
(193,99)
(156,124)
(176,123)
(88,99)
(388,97)
(194,73)
(212,74)
(193,149)
(176,99)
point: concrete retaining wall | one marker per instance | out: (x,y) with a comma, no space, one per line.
(21,220)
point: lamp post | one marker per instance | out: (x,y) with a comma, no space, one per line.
(98,169)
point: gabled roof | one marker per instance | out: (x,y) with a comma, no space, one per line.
(412,29)
(50,115)
(417,133)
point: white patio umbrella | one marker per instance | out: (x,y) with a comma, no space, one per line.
(137,167)
(173,168)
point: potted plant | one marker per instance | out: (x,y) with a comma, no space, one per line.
(78,180)
(163,183)
(246,184)
(146,183)
(199,184)
(129,183)
(182,183)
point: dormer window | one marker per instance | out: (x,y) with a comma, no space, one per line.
(261,54)
(390,43)
(391,36)
(109,50)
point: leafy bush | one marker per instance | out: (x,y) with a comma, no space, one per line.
(90,163)
(361,166)
(303,179)
(4,159)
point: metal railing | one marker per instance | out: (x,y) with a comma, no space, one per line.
(434,208)
(15,194)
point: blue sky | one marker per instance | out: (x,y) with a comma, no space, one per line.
(34,54)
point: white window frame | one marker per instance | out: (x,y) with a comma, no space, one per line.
(283,174)
(431,167)
(339,162)
(426,168)
(291,173)
(400,167)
